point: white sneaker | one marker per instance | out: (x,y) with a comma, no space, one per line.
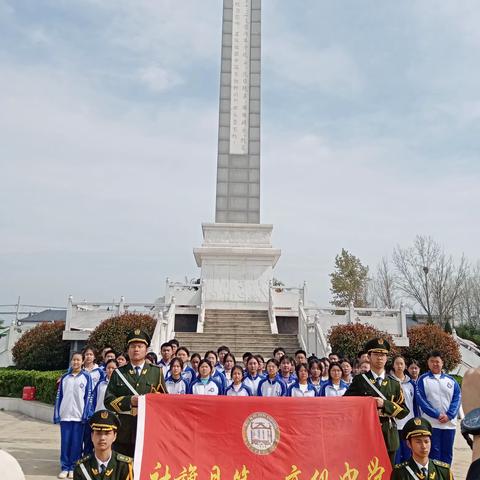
(70,474)
(63,474)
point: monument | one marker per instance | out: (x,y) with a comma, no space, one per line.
(237,257)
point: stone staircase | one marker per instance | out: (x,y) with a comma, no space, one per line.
(241,330)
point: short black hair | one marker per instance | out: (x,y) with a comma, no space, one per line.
(223,347)
(434,353)
(165,344)
(174,341)
(185,349)
(246,354)
(278,349)
(301,351)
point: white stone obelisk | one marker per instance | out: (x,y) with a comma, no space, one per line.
(236,257)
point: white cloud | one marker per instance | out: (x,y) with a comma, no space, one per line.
(330,69)
(158,79)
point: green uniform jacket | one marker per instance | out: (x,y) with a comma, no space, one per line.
(393,407)
(118,398)
(119,467)
(436,471)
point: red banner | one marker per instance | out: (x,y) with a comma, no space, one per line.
(190,437)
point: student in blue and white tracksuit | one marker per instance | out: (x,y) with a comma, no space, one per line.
(315,370)
(286,364)
(188,373)
(335,387)
(237,387)
(217,375)
(252,378)
(228,364)
(175,383)
(97,375)
(73,407)
(301,388)
(408,388)
(439,399)
(101,388)
(272,385)
(205,384)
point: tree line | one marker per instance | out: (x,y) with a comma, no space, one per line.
(422,277)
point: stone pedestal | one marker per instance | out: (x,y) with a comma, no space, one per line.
(237,261)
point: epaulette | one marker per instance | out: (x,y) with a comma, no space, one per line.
(124,458)
(400,465)
(84,459)
(441,464)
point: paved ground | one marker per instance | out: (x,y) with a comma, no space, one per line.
(35,445)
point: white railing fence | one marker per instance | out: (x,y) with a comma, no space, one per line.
(271,311)
(201,315)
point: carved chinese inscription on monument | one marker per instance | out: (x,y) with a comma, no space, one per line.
(240,80)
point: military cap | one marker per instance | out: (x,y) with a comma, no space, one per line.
(378,345)
(138,335)
(417,427)
(104,420)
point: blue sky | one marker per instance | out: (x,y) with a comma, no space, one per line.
(108,131)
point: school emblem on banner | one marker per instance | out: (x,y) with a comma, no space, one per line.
(261,433)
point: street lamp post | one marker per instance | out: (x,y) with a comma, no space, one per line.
(429,316)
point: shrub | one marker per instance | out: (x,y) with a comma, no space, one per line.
(42,348)
(469,332)
(13,381)
(348,340)
(113,331)
(424,339)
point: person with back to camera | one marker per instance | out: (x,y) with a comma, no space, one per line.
(471,423)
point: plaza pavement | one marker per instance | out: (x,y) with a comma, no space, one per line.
(35,445)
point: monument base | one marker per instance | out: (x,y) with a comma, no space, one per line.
(237,261)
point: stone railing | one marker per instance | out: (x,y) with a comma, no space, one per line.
(284,300)
(83,317)
(314,324)
(310,334)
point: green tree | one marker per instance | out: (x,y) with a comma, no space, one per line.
(349,281)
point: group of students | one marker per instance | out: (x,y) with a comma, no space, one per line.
(80,393)
(81,390)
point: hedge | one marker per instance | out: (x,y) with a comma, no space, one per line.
(350,339)
(12,383)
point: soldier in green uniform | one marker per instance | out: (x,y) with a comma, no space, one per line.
(104,463)
(386,391)
(127,384)
(418,432)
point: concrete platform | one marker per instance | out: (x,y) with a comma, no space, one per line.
(35,444)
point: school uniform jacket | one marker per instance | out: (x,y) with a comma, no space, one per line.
(436,471)
(436,394)
(328,390)
(295,391)
(269,388)
(243,391)
(393,407)
(212,387)
(87,396)
(177,387)
(120,467)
